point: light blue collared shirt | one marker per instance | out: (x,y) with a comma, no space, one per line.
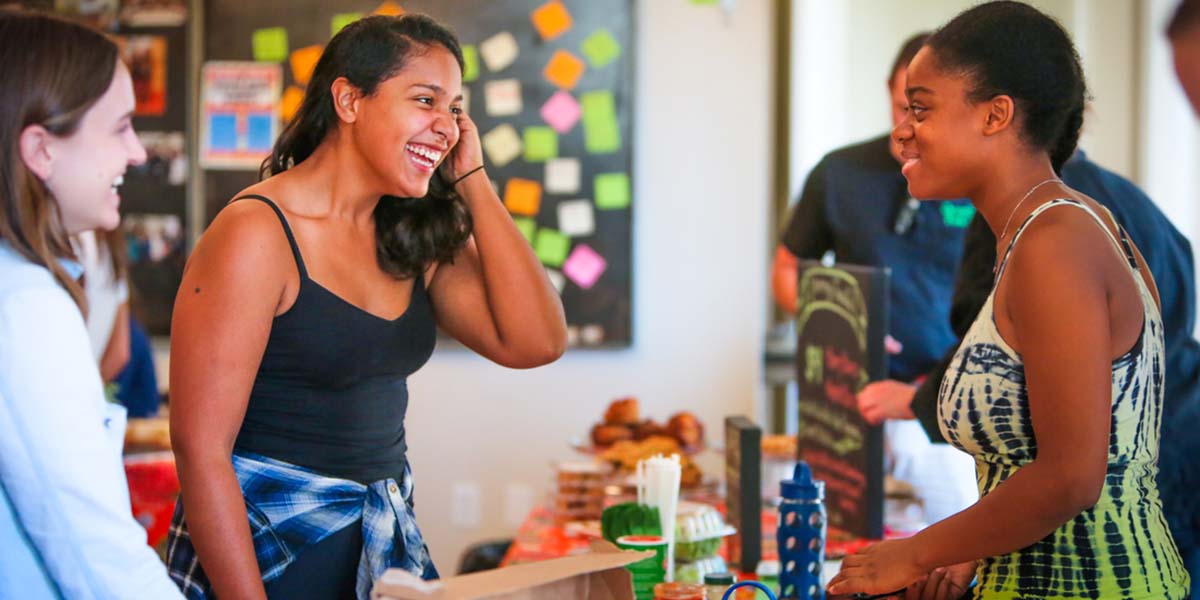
(66,528)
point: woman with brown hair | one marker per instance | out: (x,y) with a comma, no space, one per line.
(66,529)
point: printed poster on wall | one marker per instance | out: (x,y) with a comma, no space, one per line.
(239,111)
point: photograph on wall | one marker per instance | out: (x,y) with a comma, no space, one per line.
(146,58)
(156,246)
(166,158)
(238,113)
(153,13)
(101,14)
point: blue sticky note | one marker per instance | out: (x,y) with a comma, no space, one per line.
(222,132)
(258,131)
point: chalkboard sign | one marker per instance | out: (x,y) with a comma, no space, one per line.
(841,321)
(549,84)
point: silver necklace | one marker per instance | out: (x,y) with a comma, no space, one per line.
(1008,222)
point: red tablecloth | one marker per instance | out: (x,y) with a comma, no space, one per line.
(153,490)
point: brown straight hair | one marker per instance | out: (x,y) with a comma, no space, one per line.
(54,71)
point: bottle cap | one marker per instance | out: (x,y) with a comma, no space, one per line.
(719,579)
(802,486)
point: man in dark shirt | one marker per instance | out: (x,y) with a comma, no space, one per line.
(855,204)
(1169,257)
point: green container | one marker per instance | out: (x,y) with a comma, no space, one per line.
(651,571)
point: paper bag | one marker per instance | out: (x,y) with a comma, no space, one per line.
(599,575)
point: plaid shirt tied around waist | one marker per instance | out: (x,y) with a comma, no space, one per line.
(291,508)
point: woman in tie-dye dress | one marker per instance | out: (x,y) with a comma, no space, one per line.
(1056,389)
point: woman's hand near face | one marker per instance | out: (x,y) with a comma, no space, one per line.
(467,154)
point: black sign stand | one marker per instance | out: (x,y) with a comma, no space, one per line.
(841,322)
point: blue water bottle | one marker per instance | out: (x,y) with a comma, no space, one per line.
(801,536)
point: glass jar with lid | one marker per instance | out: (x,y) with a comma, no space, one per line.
(679,591)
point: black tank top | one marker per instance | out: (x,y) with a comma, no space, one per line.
(331,391)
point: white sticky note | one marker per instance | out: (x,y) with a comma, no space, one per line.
(502,144)
(499,51)
(502,98)
(592,335)
(562,176)
(558,279)
(575,218)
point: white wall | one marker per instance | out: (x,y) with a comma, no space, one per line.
(842,52)
(1168,136)
(702,168)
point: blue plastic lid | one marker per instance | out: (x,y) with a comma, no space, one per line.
(802,486)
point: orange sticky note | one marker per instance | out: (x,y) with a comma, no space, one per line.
(564,69)
(303,61)
(551,19)
(523,196)
(389,9)
(290,103)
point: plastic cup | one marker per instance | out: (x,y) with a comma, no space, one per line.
(651,571)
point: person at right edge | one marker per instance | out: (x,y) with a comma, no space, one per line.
(1057,387)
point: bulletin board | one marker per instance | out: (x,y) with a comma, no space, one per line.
(549,84)
(841,321)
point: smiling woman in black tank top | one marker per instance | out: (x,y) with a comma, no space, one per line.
(311,299)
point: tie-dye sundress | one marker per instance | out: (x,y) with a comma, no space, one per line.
(1121,547)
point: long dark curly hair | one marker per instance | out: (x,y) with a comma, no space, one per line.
(410,233)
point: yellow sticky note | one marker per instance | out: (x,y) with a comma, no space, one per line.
(341,20)
(523,196)
(551,19)
(290,103)
(270,44)
(564,69)
(502,144)
(499,51)
(303,61)
(390,9)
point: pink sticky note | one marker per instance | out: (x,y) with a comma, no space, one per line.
(561,111)
(584,266)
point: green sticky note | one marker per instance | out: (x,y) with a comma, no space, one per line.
(341,20)
(270,44)
(551,247)
(526,227)
(612,191)
(541,144)
(600,48)
(957,215)
(601,135)
(470,63)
